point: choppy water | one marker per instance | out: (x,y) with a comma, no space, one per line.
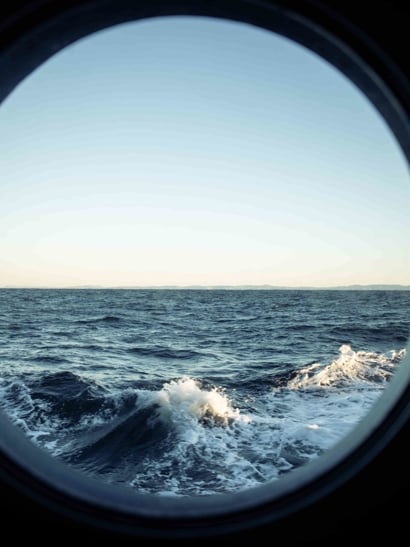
(180,392)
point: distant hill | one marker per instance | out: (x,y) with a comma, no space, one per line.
(373,287)
(305,288)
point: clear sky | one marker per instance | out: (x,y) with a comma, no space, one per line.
(197,151)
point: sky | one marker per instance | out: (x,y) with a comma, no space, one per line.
(194,151)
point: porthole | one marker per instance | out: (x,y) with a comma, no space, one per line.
(155,503)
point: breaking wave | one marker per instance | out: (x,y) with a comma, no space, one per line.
(189,437)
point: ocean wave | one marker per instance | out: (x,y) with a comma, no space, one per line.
(49,359)
(138,435)
(349,369)
(165,352)
(55,405)
(393,333)
(163,424)
(184,399)
(103,319)
(188,436)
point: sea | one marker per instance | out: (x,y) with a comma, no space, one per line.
(195,392)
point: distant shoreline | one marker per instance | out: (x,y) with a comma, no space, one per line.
(373,287)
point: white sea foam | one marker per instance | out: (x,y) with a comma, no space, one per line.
(15,398)
(350,368)
(185,397)
(324,402)
(188,407)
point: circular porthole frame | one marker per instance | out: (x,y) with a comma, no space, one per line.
(31,35)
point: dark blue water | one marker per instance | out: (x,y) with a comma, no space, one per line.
(181,392)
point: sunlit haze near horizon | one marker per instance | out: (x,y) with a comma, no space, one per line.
(193,151)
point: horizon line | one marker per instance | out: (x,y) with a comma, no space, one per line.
(353,286)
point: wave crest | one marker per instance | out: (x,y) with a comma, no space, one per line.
(349,368)
(184,399)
